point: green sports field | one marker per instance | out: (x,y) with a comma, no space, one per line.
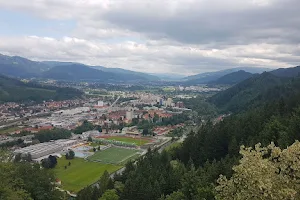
(113,155)
(137,141)
(81,173)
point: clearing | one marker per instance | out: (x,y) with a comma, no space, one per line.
(80,173)
(113,155)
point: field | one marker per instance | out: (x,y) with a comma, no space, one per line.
(113,155)
(137,141)
(81,173)
(8,130)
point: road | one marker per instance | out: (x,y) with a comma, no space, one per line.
(112,105)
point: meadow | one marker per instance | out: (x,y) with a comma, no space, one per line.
(80,173)
(113,155)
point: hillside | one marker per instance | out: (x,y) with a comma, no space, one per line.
(287,72)
(14,90)
(76,72)
(246,92)
(213,76)
(20,67)
(255,91)
(233,78)
(131,75)
(16,66)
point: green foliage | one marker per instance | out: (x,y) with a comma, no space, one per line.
(110,195)
(263,173)
(256,91)
(95,192)
(26,181)
(201,106)
(49,162)
(85,126)
(17,91)
(54,134)
(152,176)
(70,155)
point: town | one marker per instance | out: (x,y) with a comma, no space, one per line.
(100,130)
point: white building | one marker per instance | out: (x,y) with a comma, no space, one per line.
(129,115)
(100,103)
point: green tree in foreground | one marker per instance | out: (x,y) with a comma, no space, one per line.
(263,173)
(110,195)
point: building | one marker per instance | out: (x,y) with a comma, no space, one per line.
(40,150)
(169,102)
(179,104)
(100,103)
(44,149)
(129,115)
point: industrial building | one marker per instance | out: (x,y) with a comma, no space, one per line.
(44,149)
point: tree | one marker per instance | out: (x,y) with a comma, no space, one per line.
(18,157)
(145,132)
(28,157)
(105,182)
(110,195)
(49,162)
(26,181)
(263,173)
(90,139)
(70,155)
(175,196)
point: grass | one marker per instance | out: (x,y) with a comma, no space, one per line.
(8,130)
(136,141)
(113,155)
(81,173)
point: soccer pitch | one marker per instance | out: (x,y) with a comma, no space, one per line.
(80,173)
(113,155)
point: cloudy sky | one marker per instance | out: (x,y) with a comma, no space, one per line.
(158,36)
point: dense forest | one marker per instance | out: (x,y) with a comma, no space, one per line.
(26,181)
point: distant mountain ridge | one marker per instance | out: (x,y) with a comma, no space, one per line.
(287,72)
(208,77)
(16,66)
(79,72)
(233,78)
(20,67)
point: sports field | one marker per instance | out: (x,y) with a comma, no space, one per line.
(80,173)
(137,141)
(8,130)
(113,155)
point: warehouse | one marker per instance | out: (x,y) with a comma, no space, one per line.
(40,150)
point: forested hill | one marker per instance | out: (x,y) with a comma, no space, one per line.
(13,90)
(233,78)
(256,91)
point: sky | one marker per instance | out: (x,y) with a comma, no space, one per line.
(155,36)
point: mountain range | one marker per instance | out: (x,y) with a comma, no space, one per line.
(209,77)
(233,78)
(259,88)
(16,66)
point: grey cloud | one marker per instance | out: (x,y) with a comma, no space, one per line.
(278,21)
